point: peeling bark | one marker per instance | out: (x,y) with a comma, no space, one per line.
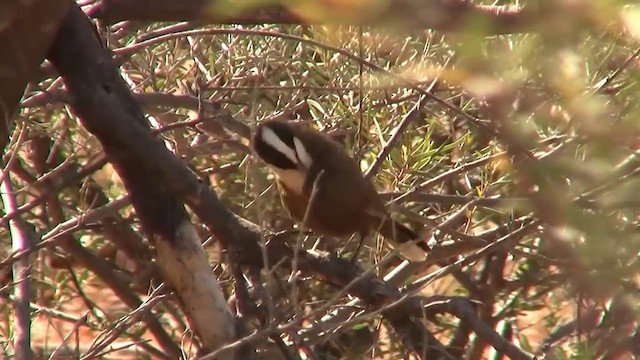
(100,95)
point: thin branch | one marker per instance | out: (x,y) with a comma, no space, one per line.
(398,14)
(67,179)
(463,309)
(410,117)
(110,335)
(63,344)
(22,240)
(56,235)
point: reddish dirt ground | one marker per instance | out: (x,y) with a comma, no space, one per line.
(49,332)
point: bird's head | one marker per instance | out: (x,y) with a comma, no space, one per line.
(282,147)
(279,145)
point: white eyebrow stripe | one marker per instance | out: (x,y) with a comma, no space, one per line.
(303,155)
(270,137)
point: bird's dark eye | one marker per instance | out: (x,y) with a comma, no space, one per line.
(268,153)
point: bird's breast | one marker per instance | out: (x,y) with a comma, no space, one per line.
(293,180)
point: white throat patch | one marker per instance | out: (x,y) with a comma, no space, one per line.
(302,153)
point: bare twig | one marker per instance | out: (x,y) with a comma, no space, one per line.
(110,335)
(463,309)
(54,236)
(410,117)
(69,178)
(74,331)
(506,241)
(17,143)
(22,241)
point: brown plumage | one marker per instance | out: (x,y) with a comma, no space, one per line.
(317,178)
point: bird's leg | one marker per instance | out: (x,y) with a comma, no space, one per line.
(362,235)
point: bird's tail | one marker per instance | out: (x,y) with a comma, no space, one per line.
(409,244)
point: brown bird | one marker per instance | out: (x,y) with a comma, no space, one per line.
(323,188)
